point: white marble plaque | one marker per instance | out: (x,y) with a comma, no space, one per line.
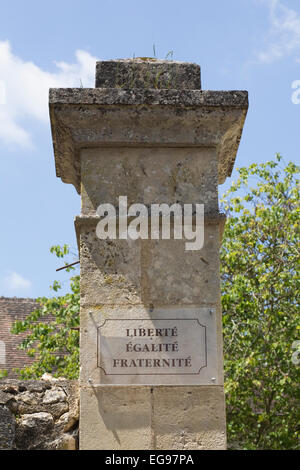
(165,347)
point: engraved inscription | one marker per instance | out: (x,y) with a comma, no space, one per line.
(152,346)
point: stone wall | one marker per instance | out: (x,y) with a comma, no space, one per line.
(39,414)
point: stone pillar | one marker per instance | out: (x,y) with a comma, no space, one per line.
(151,335)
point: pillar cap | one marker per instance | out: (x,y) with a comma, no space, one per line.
(147,72)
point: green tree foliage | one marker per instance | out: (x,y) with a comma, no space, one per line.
(260,302)
(260,289)
(53,331)
(3,373)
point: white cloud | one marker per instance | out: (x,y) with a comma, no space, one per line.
(25,87)
(15,282)
(283,37)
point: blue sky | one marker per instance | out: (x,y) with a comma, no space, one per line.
(249,45)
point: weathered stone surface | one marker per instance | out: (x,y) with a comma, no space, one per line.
(149,176)
(7,428)
(118,272)
(147,73)
(39,414)
(112,269)
(32,429)
(67,421)
(70,387)
(199,420)
(173,276)
(115,418)
(30,402)
(66,443)
(180,98)
(162,418)
(54,396)
(6,397)
(145,126)
(15,386)
(172,118)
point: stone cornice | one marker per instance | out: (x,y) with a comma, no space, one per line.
(84,118)
(165,97)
